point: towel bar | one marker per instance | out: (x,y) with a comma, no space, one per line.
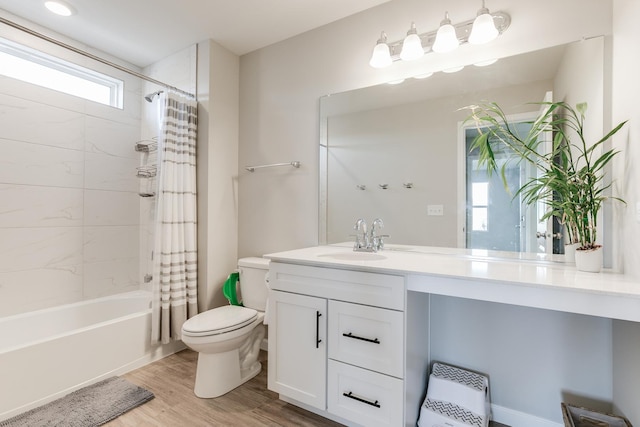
(295,164)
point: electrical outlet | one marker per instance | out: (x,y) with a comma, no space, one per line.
(435,210)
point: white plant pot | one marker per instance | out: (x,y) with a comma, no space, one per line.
(570,252)
(589,260)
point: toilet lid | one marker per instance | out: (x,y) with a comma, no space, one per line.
(219,320)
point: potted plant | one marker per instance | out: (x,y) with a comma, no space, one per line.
(570,174)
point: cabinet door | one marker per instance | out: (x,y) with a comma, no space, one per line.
(298,347)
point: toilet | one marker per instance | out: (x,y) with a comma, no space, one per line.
(228,338)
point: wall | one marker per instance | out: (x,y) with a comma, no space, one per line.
(281,85)
(280,88)
(218,86)
(70,212)
(625,89)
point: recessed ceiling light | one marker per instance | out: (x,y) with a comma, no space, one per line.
(59,7)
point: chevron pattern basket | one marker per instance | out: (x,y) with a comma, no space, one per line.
(455,397)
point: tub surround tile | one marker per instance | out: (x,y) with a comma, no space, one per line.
(112,243)
(105,172)
(35,206)
(110,277)
(34,164)
(111,138)
(28,121)
(103,207)
(45,247)
(23,291)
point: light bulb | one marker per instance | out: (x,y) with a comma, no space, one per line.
(412,45)
(381,56)
(484,29)
(446,37)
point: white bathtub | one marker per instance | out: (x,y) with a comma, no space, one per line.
(48,353)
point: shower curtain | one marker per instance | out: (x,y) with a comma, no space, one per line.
(175,251)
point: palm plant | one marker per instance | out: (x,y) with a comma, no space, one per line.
(570,174)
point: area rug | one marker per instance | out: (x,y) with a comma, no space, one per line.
(90,406)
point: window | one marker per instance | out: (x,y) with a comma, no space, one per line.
(479,202)
(38,68)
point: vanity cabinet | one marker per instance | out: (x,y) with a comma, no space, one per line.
(336,342)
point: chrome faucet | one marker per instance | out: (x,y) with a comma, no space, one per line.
(362,240)
(377,240)
(369,242)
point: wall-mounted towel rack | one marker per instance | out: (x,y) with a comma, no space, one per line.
(295,164)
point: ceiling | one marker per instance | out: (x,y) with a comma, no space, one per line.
(145,31)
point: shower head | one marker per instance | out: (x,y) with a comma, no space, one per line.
(150,97)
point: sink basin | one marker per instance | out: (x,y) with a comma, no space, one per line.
(354,256)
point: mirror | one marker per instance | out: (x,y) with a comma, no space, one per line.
(397,152)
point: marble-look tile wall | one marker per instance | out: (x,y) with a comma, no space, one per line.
(69,204)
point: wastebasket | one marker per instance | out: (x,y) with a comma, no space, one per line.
(575,416)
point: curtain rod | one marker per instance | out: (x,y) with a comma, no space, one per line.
(92,56)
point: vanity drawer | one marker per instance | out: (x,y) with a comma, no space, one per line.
(381,290)
(364,397)
(368,337)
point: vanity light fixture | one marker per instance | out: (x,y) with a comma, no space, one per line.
(446,37)
(485,27)
(60,7)
(381,56)
(412,45)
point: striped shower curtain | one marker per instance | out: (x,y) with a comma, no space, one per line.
(175,252)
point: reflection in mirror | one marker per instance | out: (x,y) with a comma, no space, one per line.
(414,132)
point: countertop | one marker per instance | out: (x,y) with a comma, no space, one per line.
(522,279)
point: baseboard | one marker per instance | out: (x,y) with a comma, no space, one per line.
(520,419)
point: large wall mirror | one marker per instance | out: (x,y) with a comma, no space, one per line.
(398,151)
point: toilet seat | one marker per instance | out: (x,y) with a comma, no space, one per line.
(219,321)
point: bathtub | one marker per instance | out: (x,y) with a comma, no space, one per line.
(48,353)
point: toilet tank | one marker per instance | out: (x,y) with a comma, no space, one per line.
(253,290)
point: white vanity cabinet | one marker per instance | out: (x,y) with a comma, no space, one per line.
(336,342)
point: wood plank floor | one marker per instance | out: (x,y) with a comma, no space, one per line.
(175,405)
(171,380)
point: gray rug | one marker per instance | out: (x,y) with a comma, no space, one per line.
(93,405)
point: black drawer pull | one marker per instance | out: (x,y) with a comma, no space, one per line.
(359,399)
(318,340)
(355,337)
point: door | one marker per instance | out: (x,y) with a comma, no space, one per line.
(494,219)
(298,347)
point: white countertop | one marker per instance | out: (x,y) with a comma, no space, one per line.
(521,279)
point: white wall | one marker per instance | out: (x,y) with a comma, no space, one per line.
(218,88)
(281,85)
(625,91)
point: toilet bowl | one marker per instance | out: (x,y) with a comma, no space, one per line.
(228,338)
